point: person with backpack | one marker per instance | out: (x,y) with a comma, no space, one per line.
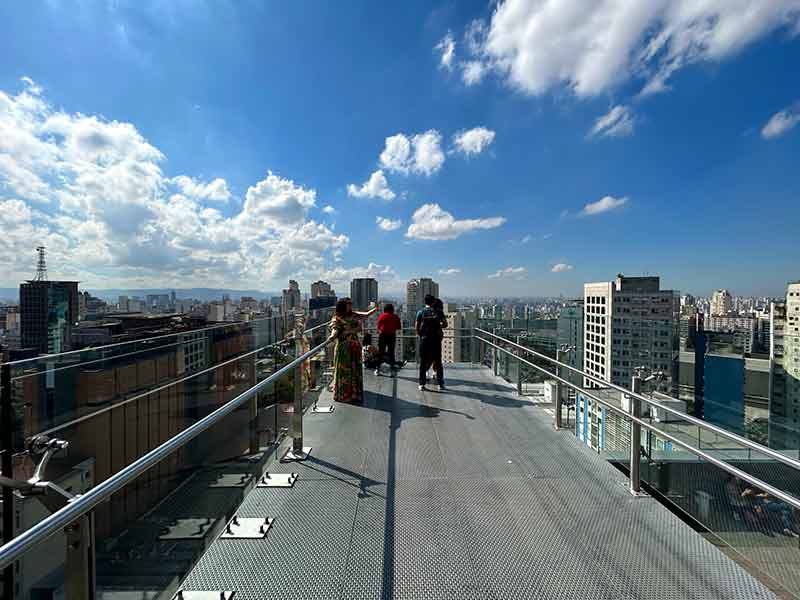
(430,323)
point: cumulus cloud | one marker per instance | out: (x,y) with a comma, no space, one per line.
(605,204)
(591,47)
(216,190)
(447,49)
(781,122)
(93,192)
(473,141)
(517,273)
(375,187)
(421,153)
(561,267)
(384,274)
(617,122)
(329,210)
(388,224)
(431,222)
(450,271)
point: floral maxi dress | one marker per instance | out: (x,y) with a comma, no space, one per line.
(348,378)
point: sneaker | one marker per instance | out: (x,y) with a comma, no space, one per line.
(441,387)
(377,371)
(422,387)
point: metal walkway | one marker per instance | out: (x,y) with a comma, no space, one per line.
(464,494)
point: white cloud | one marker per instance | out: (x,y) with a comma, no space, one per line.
(781,122)
(473,141)
(329,210)
(216,190)
(431,222)
(447,48)
(450,271)
(472,72)
(388,224)
(605,204)
(617,122)
(421,153)
(276,202)
(517,273)
(341,276)
(561,267)
(593,46)
(111,218)
(375,187)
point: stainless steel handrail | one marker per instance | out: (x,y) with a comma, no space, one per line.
(763,485)
(83,504)
(694,420)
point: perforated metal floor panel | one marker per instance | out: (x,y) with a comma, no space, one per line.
(463,494)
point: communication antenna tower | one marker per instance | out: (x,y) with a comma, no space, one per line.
(41,266)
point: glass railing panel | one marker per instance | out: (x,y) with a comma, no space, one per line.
(760,531)
(110,437)
(150,533)
(51,391)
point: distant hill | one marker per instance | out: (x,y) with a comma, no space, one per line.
(112,295)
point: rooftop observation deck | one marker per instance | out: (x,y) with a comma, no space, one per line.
(468,493)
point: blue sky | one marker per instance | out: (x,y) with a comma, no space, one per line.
(190,143)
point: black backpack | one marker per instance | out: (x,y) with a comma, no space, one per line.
(431,323)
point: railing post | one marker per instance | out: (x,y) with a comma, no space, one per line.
(636,437)
(557,416)
(7,450)
(298,451)
(79,569)
(519,378)
(297,415)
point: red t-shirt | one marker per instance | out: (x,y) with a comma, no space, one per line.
(389,323)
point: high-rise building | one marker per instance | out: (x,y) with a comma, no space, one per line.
(362,292)
(291,297)
(745,328)
(721,302)
(629,324)
(416,290)
(321,289)
(570,334)
(784,392)
(458,335)
(48,312)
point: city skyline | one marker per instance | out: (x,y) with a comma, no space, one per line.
(180,155)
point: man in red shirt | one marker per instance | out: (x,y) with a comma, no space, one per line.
(388,326)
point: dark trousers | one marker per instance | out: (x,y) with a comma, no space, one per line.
(386,345)
(430,355)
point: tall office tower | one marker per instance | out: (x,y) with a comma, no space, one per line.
(321,289)
(570,334)
(630,323)
(362,292)
(48,311)
(721,302)
(784,390)
(291,297)
(416,290)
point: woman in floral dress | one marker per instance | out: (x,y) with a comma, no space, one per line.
(348,373)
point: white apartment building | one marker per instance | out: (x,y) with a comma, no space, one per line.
(629,323)
(457,337)
(721,302)
(784,392)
